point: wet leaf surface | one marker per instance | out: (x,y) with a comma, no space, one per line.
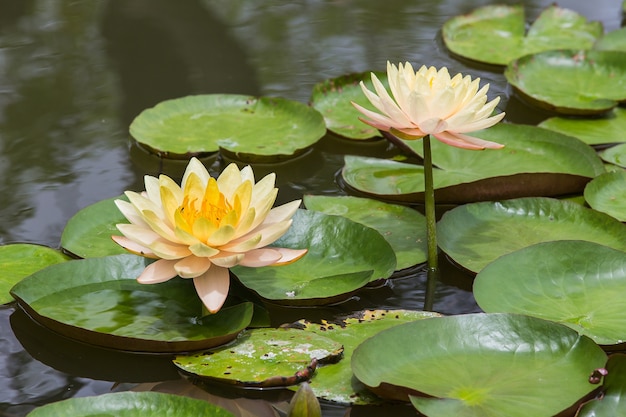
(576,283)
(482,365)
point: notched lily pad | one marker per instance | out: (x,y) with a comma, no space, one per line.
(87,233)
(403,227)
(496,34)
(258,129)
(574,81)
(579,284)
(19,260)
(607,193)
(332,99)
(476,234)
(343,256)
(606,129)
(131,404)
(264,358)
(99,301)
(534,162)
(478,365)
(335,382)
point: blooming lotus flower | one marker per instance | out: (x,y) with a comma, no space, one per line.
(205,226)
(429,102)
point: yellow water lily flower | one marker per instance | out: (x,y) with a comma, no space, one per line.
(430,102)
(205,226)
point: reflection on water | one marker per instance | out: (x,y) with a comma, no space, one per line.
(73,74)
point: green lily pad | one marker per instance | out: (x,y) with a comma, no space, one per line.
(261,129)
(610,403)
(607,193)
(496,34)
(264,358)
(403,227)
(534,162)
(88,233)
(19,260)
(575,82)
(343,256)
(131,404)
(614,40)
(335,382)
(333,97)
(482,365)
(593,131)
(99,301)
(476,234)
(615,155)
(576,283)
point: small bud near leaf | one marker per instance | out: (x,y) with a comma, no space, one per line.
(304,403)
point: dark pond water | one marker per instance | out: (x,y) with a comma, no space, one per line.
(73,75)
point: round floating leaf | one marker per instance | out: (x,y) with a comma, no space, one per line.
(333,97)
(607,193)
(335,382)
(343,256)
(482,365)
(19,260)
(614,40)
(403,227)
(264,358)
(99,301)
(534,162)
(613,400)
(476,234)
(131,404)
(256,128)
(577,283)
(571,81)
(496,34)
(88,233)
(615,155)
(609,128)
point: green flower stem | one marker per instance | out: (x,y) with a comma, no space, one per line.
(431,227)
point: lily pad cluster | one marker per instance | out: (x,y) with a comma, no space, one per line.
(549,272)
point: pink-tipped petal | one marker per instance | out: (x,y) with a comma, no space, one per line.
(290,255)
(261,257)
(466,142)
(159,271)
(134,247)
(212,287)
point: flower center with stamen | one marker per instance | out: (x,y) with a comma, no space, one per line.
(213,211)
